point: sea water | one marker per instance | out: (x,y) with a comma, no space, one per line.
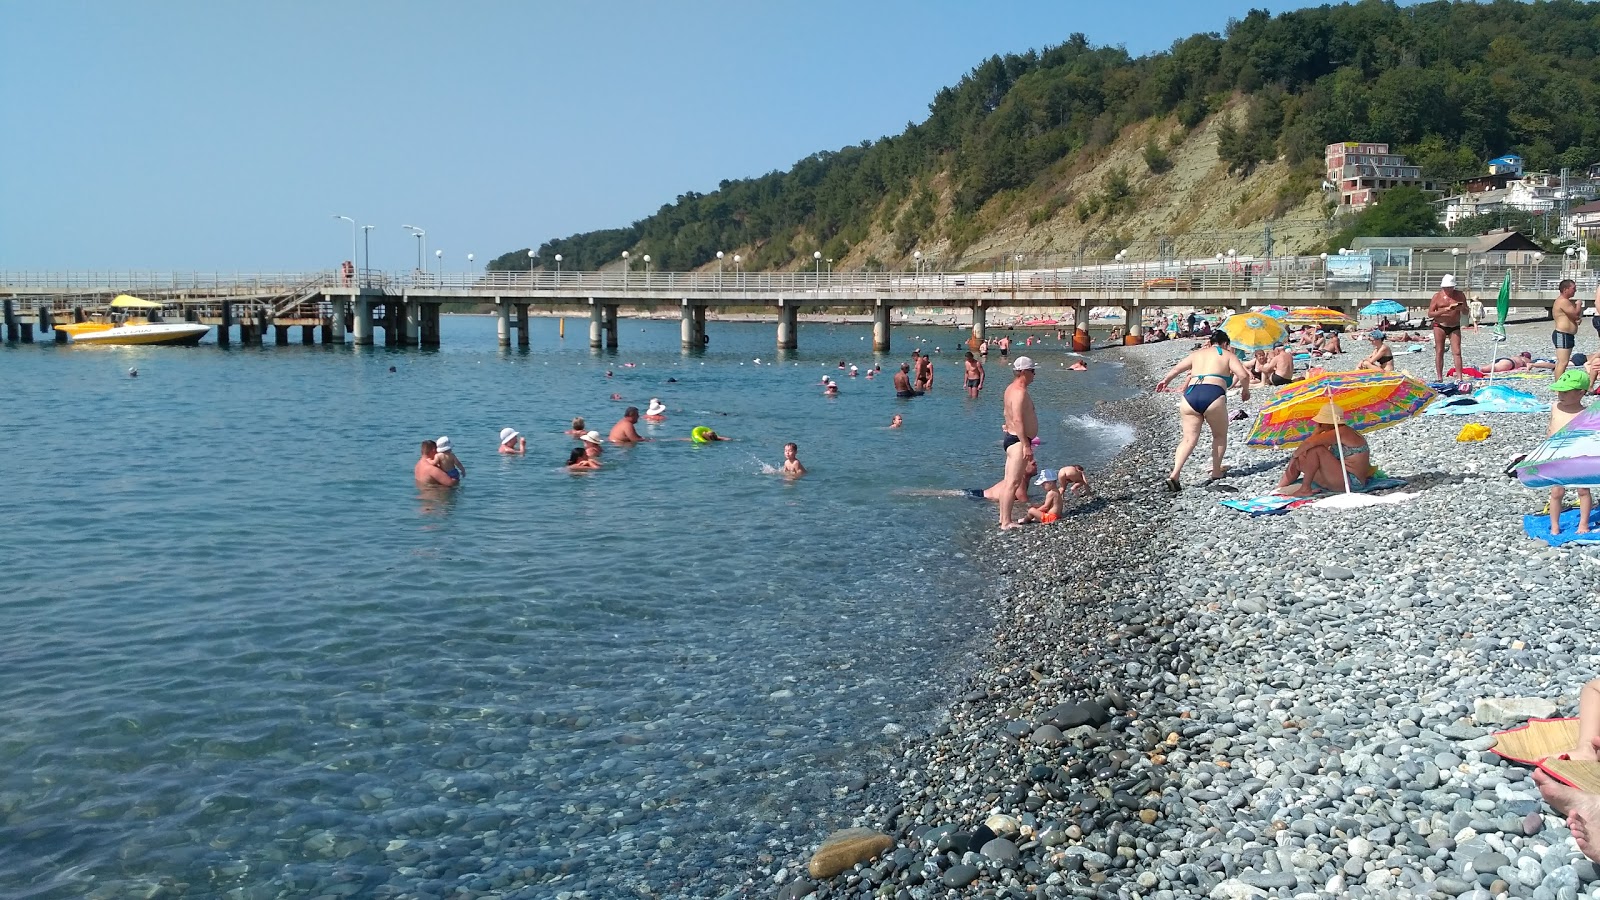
(240,650)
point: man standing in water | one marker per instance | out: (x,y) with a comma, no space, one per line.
(426,472)
(1566,313)
(1021,427)
(974,375)
(625,431)
(902,382)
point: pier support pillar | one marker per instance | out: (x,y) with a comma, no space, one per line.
(980,322)
(686,326)
(44,320)
(224,336)
(280,334)
(1134,329)
(262,321)
(406,310)
(12,331)
(788,325)
(430,325)
(333,330)
(502,322)
(27,332)
(596,324)
(880,328)
(363,322)
(308,334)
(522,325)
(610,310)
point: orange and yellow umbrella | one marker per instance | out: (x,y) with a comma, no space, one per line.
(1253,331)
(1368,400)
(1318,315)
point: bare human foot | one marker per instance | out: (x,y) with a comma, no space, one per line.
(1581,808)
(1590,753)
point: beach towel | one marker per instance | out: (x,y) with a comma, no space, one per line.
(1338,502)
(1266,505)
(1493,399)
(1537,526)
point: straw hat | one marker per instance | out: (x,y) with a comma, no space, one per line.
(1329,414)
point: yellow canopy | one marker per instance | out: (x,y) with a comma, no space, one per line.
(128,300)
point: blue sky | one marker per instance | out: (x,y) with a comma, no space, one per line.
(205,136)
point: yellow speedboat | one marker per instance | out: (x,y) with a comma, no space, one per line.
(135,329)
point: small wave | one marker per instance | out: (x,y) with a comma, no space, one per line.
(1117,434)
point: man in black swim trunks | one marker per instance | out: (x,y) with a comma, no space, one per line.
(902,382)
(1446,308)
(1566,314)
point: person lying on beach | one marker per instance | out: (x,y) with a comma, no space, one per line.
(1316,466)
(1212,371)
(1569,388)
(1581,808)
(579,460)
(1382,357)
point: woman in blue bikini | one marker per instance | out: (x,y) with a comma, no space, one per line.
(1212,371)
(1332,455)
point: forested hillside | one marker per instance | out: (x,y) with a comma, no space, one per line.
(1449,84)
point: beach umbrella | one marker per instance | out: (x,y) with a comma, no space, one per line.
(1383,308)
(1570,457)
(1369,401)
(1250,332)
(1502,307)
(1319,315)
(1276,312)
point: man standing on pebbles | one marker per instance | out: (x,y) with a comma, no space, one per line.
(1021,427)
(1566,314)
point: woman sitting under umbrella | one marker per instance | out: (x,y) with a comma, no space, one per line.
(1333,453)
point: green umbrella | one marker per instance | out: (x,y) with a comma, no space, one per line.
(1502,307)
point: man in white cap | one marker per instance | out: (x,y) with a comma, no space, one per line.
(1021,427)
(1446,309)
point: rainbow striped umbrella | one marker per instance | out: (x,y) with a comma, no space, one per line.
(1571,456)
(1370,401)
(1252,331)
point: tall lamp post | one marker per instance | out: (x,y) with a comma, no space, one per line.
(531,257)
(719,270)
(816,258)
(738,269)
(916,258)
(352,222)
(469,264)
(366,251)
(558,270)
(1016,279)
(438,263)
(647,271)
(422,243)
(625,266)
(1455,256)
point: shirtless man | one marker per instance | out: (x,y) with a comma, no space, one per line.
(1280,367)
(426,472)
(1021,427)
(924,373)
(902,382)
(1005,346)
(974,375)
(1566,314)
(625,431)
(1446,309)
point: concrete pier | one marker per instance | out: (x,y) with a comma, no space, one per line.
(224,330)
(502,322)
(880,328)
(12,331)
(980,321)
(280,335)
(788,325)
(363,322)
(692,326)
(596,323)
(610,310)
(522,326)
(429,338)
(334,332)
(408,322)
(1133,318)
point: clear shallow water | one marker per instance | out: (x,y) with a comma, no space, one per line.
(241,651)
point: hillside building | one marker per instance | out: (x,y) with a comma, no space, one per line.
(1534,192)
(1361,172)
(1449,253)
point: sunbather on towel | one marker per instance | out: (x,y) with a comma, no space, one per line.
(1581,808)
(1315,464)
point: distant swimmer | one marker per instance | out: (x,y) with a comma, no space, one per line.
(791,461)
(853,371)
(426,471)
(703,435)
(447,460)
(578,460)
(133,373)
(616,396)
(577,428)
(1079,366)
(832,390)
(625,431)
(897,421)
(902,382)
(512,442)
(592,447)
(656,411)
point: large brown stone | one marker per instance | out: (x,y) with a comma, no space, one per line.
(847,847)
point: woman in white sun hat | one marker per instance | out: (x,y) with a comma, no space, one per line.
(512,442)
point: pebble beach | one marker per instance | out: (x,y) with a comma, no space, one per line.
(1180,700)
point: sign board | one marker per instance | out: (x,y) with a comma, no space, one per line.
(1354,268)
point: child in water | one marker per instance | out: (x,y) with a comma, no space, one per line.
(791,461)
(446,459)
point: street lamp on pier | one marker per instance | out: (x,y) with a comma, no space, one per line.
(738,269)
(353,257)
(625,266)
(916,257)
(719,270)
(816,258)
(531,257)
(1455,258)
(438,263)
(366,251)
(469,263)
(422,243)
(647,271)
(558,270)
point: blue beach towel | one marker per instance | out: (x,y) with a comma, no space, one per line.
(1493,399)
(1538,526)
(1267,505)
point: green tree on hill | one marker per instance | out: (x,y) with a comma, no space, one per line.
(1449,84)
(1400,212)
